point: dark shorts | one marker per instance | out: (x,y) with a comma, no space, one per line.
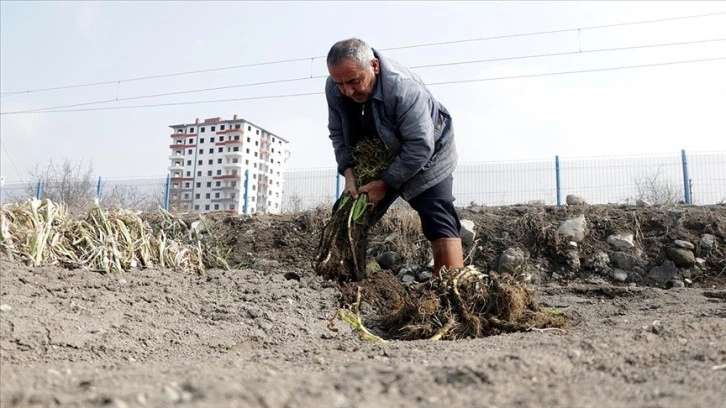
(435,208)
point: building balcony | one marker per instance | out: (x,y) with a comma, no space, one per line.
(228,188)
(183,135)
(229,142)
(174,168)
(228,131)
(233,155)
(181,146)
(181,179)
(237,165)
(225,200)
(228,177)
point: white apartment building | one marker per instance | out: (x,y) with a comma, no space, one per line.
(226,165)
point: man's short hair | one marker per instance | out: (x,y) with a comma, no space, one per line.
(353,48)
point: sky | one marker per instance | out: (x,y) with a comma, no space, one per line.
(521,106)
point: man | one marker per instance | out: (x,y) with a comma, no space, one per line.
(370,95)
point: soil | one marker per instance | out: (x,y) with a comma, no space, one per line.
(257,335)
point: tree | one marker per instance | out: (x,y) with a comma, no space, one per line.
(70,183)
(657,191)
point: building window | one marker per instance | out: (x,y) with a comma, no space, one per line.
(219,172)
(221,138)
(201,140)
(219,161)
(248,139)
(199,163)
(186,195)
(211,151)
(231,206)
(257,143)
(257,132)
(221,127)
(247,151)
(236,126)
(272,150)
(186,185)
(196,207)
(273,140)
(235,149)
(201,151)
(249,128)
(189,152)
(201,129)
(199,184)
(236,137)
(180,131)
(272,160)
(199,174)
(233,184)
(255,154)
(211,140)
(231,195)
(189,162)
(207,195)
(247,162)
(212,129)
(206,207)
(216,195)
(220,150)
(209,173)
(219,183)
(196,196)
(191,130)
(191,141)
(216,206)
(209,184)
(211,161)
(254,176)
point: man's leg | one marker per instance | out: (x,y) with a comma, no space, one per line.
(440,224)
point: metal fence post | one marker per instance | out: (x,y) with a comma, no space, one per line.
(39,189)
(247,177)
(686,184)
(337,185)
(167,186)
(557,176)
(98,190)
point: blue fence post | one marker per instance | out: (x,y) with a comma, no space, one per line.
(557,176)
(337,185)
(167,186)
(39,189)
(247,178)
(98,190)
(686,184)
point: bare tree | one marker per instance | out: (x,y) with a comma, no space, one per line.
(654,189)
(130,196)
(69,182)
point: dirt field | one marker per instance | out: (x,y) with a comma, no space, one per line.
(257,335)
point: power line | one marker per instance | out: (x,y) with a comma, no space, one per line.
(12,162)
(325,76)
(432,44)
(430,84)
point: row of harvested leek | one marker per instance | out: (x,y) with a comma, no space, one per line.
(41,232)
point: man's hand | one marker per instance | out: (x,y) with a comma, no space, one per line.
(376,191)
(350,183)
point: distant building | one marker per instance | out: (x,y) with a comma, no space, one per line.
(211,160)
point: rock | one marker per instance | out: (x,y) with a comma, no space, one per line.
(628,262)
(596,280)
(708,241)
(682,257)
(266,263)
(643,203)
(5,308)
(388,259)
(423,276)
(620,275)
(511,261)
(683,244)
(621,241)
(676,214)
(664,273)
(677,283)
(467,232)
(700,262)
(573,229)
(573,260)
(572,199)
(538,203)
(408,278)
(599,261)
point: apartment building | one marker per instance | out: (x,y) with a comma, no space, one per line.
(226,165)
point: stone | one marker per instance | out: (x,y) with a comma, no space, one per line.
(677,283)
(408,278)
(676,214)
(683,244)
(621,241)
(5,308)
(538,203)
(664,273)
(572,199)
(511,261)
(598,261)
(620,275)
(700,262)
(628,262)
(423,276)
(682,257)
(573,229)
(708,241)
(467,232)
(388,259)
(643,203)
(573,260)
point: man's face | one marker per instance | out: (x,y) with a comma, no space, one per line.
(354,81)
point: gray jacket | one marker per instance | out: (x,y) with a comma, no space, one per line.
(413,125)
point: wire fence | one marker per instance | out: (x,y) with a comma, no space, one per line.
(697,178)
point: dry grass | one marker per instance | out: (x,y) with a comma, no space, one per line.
(41,232)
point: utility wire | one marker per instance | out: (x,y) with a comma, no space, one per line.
(325,76)
(430,84)
(498,37)
(12,162)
